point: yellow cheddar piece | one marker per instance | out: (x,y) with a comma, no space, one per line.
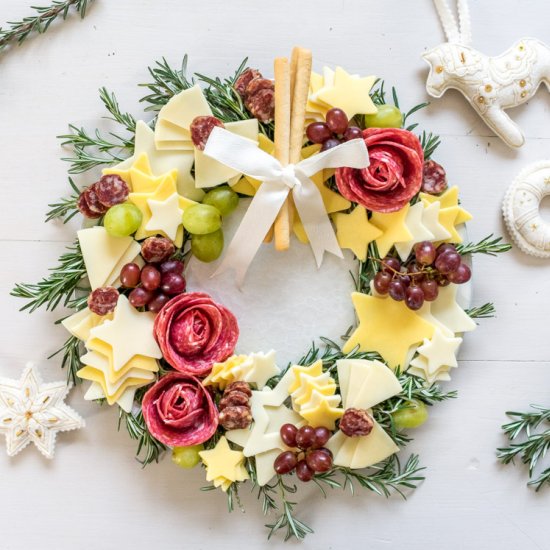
(354,231)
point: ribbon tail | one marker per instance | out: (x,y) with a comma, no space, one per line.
(315,220)
(253,228)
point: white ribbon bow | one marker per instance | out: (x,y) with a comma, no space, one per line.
(278,181)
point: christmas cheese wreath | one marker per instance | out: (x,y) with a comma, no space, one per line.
(320,156)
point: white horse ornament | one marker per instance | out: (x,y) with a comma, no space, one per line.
(490,84)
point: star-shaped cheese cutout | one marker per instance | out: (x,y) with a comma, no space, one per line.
(439,351)
(349,93)
(172,131)
(223,464)
(130,333)
(387,327)
(447,218)
(33,412)
(447,200)
(430,220)
(255,368)
(393,227)
(415,225)
(447,311)
(166,216)
(323,414)
(165,191)
(354,231)
(159,162)
(364,384)
(419,367)
(262,440)
(80,323)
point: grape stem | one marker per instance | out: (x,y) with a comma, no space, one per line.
(411,274)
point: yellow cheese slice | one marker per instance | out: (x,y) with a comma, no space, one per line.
(80,323)
(101,253)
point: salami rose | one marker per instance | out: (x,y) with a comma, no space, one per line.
(394,175)
(194,332)
(179,411)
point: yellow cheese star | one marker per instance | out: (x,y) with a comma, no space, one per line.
(448,199)
(322,415)
(163,192)
(351,94)
(393,227)
(447,218)
(223,462)
(387,327)
(354,231)
(316,369)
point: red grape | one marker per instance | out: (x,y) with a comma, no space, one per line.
(285,462)
(129,275)
(462,275)
(382,282)
(305,437)
(353,133)
(430,290)
(319,461)
(444,247)
(140,297)
(391,264)
(326,451)
(303,471)
(397,290)
(443,281)
(414,297)
(171,266)
(173,283)
(414,271)
(322,435)
(150,277)
(318,132)
(337,120)
(330,143)
(447,262)
(156,303)
(425,253)
(405,279)
(288,434)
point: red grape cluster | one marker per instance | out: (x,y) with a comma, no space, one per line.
(334,131)
(420,280)
(310,456)
(154,284)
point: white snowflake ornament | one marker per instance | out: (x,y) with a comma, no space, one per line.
(31,411)
(490,84)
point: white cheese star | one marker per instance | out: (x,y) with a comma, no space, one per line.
(430,219)
(447,311)
(416,227)
(166,216)
(31,411)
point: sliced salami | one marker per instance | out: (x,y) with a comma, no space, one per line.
(85,210)
(179,411)
(244,79)
(111,189)
(257,84)
(92,202)
(262,105)
(201,128)
(157,249)
(103,301)
(434,178)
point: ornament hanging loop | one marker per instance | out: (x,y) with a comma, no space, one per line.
(457,31)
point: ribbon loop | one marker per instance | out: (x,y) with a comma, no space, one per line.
(278,181)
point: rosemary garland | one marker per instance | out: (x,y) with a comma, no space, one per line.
(18,31)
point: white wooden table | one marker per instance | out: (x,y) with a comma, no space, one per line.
(94,495)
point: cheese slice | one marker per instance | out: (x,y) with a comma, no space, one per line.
(129,256)
(79,324)
(101,253)
(184,107)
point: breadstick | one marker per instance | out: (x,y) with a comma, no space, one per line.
(300,94)
(282,143)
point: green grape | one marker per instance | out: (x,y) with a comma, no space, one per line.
(207,248)
(413,416)
(223,198)
(201,219)
(388,116)
(187,457)
(122,220)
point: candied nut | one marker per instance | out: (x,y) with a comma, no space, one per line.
(239,385)
(233,398)
(356,422)
(236,417)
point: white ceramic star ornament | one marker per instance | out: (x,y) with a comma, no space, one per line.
(33,412)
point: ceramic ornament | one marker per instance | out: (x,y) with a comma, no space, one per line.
(490,84)
(521,210)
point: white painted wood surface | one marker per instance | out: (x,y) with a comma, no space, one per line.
(94,495)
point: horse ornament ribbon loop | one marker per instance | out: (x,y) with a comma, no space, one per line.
(278,181)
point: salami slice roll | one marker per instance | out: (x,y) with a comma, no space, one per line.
(201,128)
(179,411)
(194,332)
(112,189)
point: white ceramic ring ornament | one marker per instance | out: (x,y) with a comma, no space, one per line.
(521,210)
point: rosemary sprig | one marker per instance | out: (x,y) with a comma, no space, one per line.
(126,120)
(485,311)
(59,286)
(488,245)
(19,31)
(430,142)
(66,208)
(71,351)
(137,429)
(534,446)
